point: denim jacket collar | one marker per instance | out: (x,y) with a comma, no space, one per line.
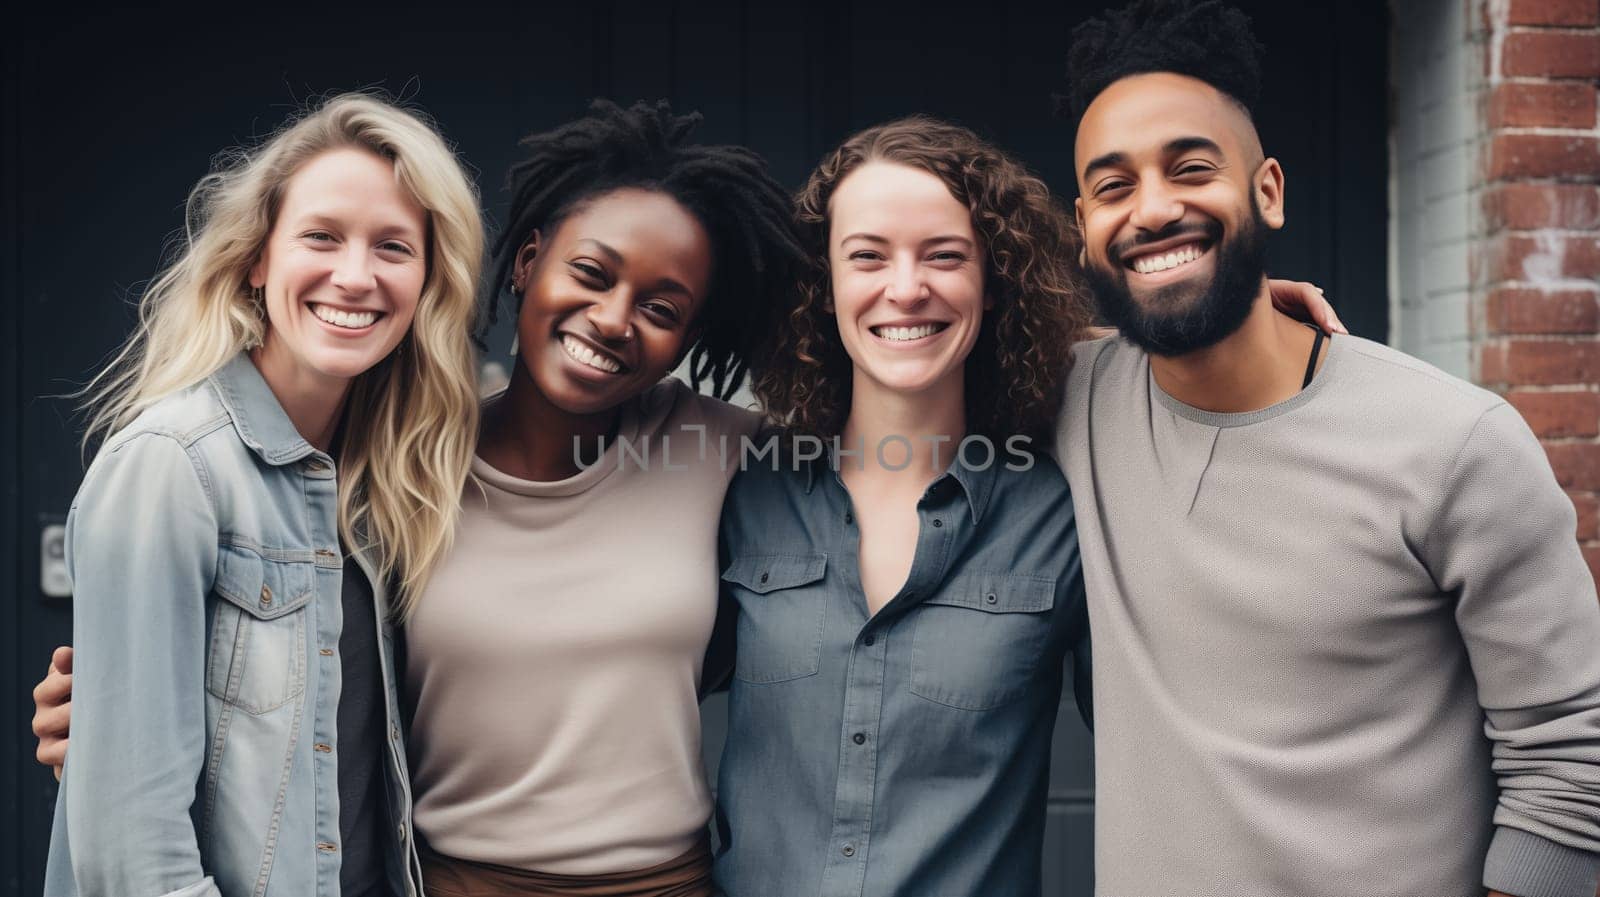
(977,484)
(257,415)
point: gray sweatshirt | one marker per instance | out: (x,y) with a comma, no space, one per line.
(1343,645)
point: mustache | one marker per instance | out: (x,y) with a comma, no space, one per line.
(1210,230)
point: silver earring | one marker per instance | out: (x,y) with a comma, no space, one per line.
(513,345)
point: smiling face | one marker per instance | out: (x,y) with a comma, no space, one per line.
(609,298)
(342,270)
(907,275)
(1174,201)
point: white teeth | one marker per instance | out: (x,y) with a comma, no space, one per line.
(588,356)
(1150,264)
(902,334)
(353,320)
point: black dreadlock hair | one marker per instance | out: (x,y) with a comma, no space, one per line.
(1208,40)
(756,254)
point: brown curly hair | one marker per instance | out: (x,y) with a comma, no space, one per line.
(1015,373)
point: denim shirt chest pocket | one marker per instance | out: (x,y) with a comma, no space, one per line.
(782,600)
(978,642)
(256,660)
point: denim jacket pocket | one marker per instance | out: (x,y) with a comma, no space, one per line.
(976,645)
(781,605)
(256,659)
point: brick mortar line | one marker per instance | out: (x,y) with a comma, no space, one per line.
(1540,131)
(1546,287)
(1579,30)
(1547,337)
(1553,231)
(1528,79)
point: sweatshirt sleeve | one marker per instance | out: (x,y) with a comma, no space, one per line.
(142,550)
(1502,542)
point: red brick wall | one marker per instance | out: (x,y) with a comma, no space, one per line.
(1536,259)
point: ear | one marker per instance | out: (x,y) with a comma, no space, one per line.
(1268,188)
(258,272)
(522,269)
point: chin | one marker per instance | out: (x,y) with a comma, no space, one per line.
(574,398)
(908,381)
(346,365)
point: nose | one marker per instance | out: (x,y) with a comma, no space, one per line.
(906,287)
(1155,207)
(610,314)
(353,274)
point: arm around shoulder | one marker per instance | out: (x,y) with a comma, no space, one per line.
(142,550)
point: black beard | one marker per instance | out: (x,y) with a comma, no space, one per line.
(1173,321)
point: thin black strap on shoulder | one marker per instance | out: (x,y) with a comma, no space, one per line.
(1311,366)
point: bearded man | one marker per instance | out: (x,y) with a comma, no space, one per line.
(1345,641)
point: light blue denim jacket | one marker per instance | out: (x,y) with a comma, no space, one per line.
(206,570)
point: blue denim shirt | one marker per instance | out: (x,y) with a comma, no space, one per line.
(206,570)
(905,754)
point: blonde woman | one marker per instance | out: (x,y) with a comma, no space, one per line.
(299,392)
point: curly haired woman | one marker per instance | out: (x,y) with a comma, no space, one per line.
(905,611)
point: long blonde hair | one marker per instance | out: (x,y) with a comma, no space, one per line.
(410,421)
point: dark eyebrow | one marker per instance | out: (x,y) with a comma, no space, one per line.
(612,255)
(871,238)
(1187,144)
(1173,147)
(1109,160)
(665,285)
(668,285)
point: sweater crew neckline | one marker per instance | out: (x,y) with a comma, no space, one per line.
(580,482)
(1334,349)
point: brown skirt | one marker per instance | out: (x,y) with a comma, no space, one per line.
(688,875)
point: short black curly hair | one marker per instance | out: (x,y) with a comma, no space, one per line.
(1204,39)
(755,247)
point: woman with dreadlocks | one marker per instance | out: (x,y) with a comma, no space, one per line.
(555,656)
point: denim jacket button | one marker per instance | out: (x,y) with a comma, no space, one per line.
(327,846)
(266,596)
(323,748)
(403,832)
(849,850)
(394,733)
(316,466)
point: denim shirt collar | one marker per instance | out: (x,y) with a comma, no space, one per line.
(257,415)
(976,484)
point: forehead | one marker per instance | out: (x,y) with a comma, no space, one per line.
(893,199)
(349,181)
(651,231)
(1140,114)
(637,221)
